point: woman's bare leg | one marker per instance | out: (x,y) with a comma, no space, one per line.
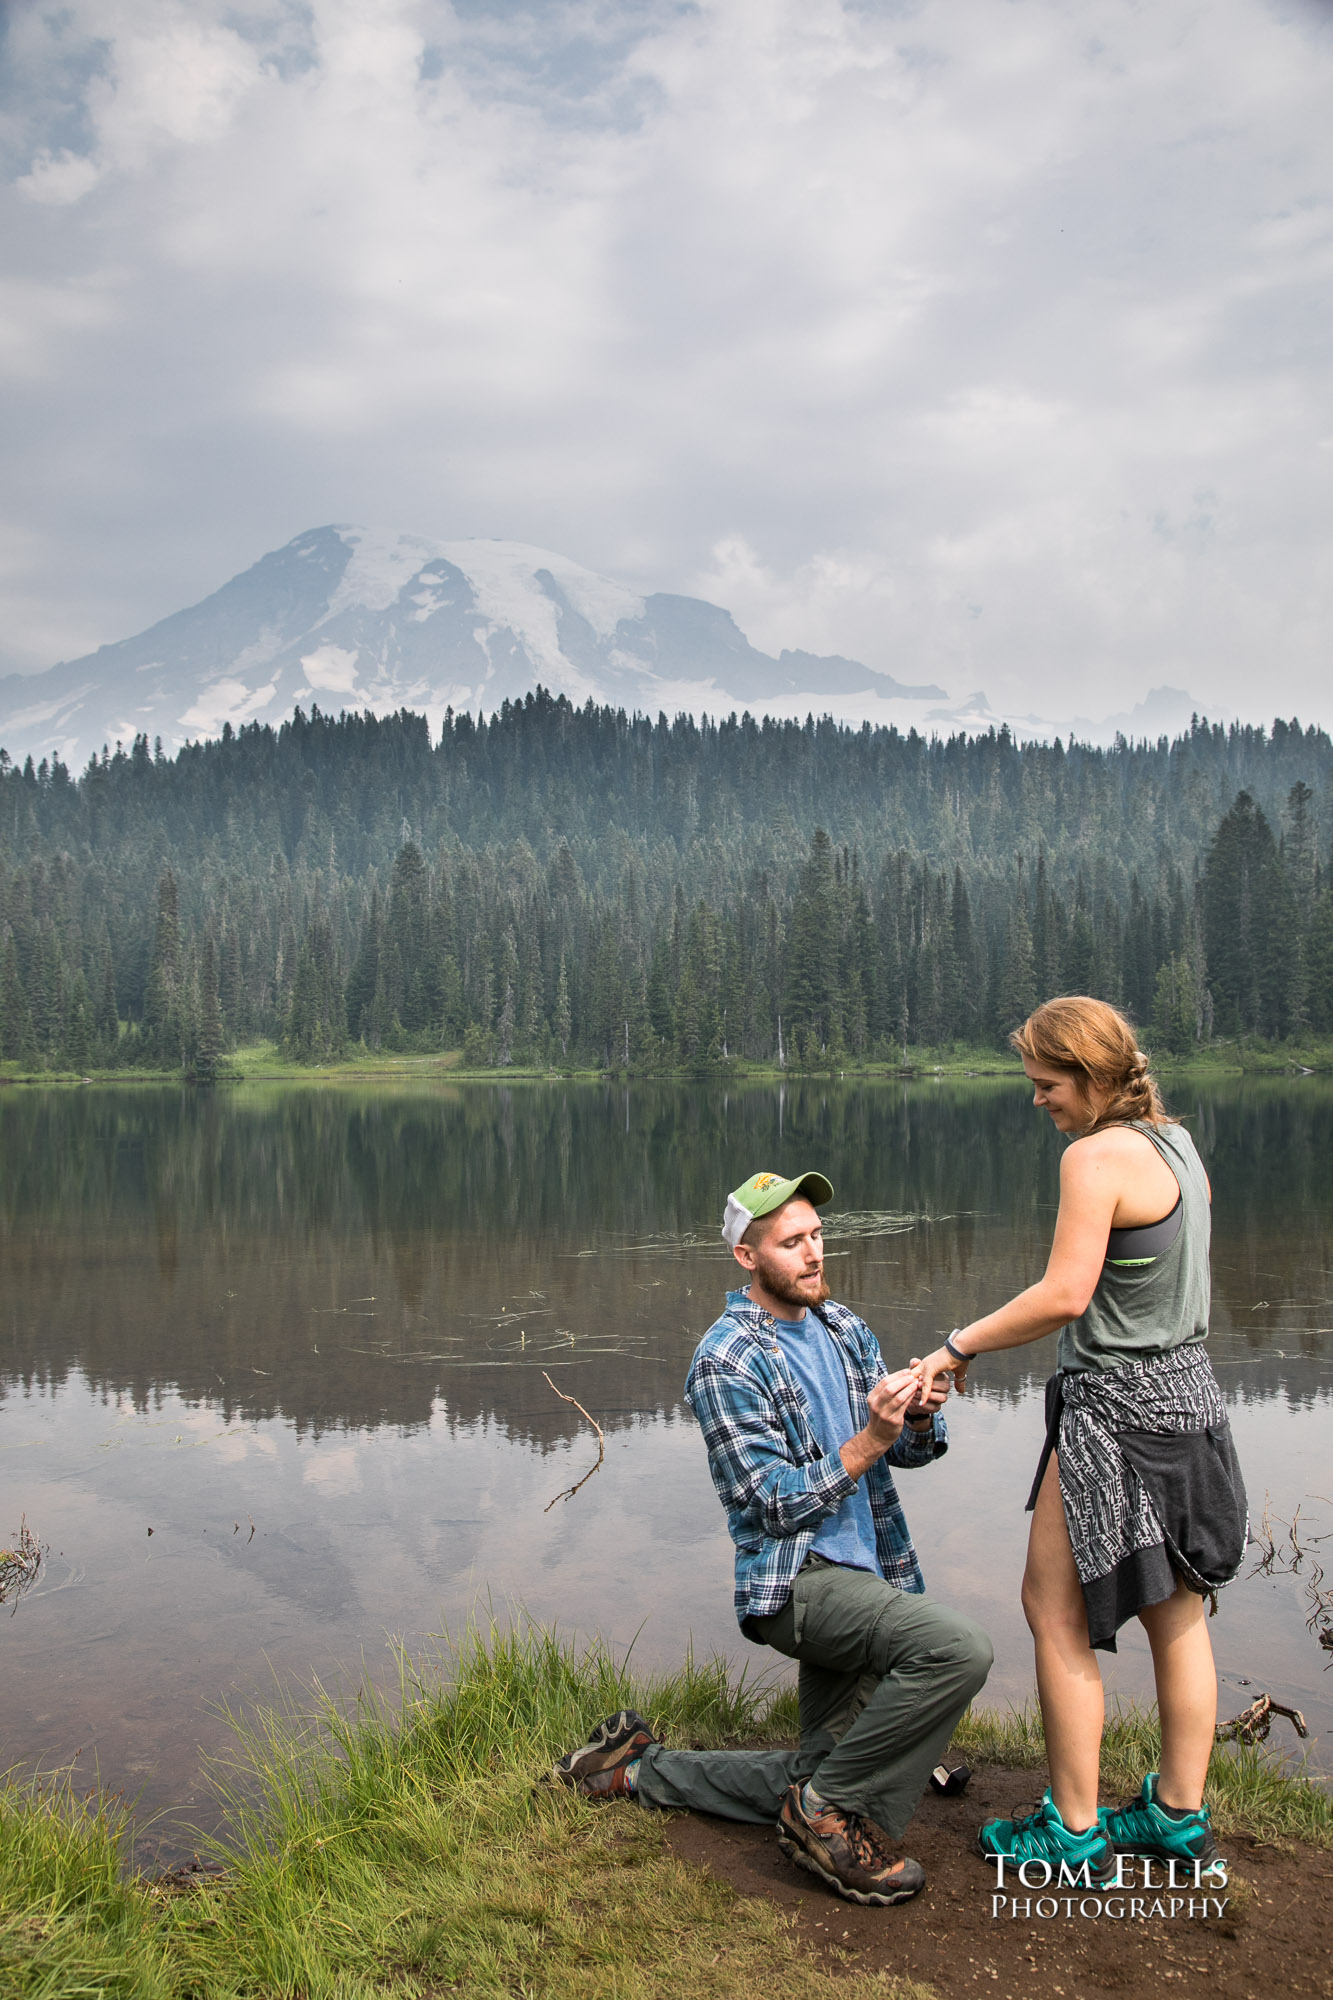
(1069,1682)
(1182,1657)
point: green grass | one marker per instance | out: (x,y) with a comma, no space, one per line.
(265,1061)
(1249,1790)
(70,1923)
(410,1847)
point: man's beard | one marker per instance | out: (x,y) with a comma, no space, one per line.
(778,1287)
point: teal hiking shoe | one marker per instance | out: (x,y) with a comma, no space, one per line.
(1142,1826)
(1043,1836)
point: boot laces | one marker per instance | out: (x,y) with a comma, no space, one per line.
(1029,1821)
(869,1852)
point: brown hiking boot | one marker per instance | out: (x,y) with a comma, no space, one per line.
(849,1853)
(597,1769)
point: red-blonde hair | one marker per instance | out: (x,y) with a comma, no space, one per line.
(1096,1044)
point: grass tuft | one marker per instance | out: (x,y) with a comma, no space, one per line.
(70,1923)
(408,1845)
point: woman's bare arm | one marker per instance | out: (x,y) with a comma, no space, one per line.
(1092,1178)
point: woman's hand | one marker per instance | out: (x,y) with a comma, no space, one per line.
(928,1401)
(936,1369)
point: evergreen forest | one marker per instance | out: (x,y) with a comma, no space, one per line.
(556,886)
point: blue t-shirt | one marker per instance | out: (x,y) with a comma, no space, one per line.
(849,1535)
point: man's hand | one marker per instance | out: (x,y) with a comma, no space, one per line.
(923,1409)
(888,1402)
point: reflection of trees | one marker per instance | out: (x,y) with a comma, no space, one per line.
(1269,1151)
(536,1157)
(358,1247)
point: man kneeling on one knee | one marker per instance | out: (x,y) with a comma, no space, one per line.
(802,1424)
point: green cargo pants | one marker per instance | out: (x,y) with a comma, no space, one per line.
(884,1678)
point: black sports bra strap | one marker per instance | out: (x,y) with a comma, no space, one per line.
(1146,1239)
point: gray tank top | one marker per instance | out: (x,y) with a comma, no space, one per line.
(1142,1309)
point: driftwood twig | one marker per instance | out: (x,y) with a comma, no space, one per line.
(19,1565)
(570,1491)
(1253,1723)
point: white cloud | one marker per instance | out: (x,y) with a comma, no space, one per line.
(969,341)
(176,78)
(58,179)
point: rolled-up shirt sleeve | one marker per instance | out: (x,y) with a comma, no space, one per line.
(920,1447)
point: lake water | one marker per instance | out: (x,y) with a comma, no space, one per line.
(272,1375)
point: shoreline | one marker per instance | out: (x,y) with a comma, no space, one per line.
(415,1846)
(263,1062)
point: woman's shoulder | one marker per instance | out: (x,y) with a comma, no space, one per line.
(1113,1146)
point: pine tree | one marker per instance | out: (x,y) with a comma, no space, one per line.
(1319,963)
(812,940)
(1300,846)
(162,1013)
(316,1028)
(232,983)
(1250,927)
(15,1020)
(406,932)
(971,998)
(661,1012)
(78,1049)
(1081,971)
(1175,1008)
(362,1016)
(1018,984)
(504,1031)
(210,1036)
(106,1016)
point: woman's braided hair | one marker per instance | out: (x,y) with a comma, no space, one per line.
(1097,1044)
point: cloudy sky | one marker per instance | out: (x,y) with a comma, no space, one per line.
(987,341)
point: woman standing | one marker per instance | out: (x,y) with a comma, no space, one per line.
(1138,1507)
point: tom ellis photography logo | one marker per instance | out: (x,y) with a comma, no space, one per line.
(1164,1889)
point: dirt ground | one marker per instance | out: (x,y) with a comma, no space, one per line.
(1274,1937)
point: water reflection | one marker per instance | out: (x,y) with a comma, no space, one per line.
(330,1311)
(342,1259)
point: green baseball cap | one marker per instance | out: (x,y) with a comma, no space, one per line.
(762,1193)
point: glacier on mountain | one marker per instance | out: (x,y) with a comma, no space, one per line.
(343,617)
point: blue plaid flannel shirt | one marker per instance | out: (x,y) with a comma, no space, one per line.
(766,1462)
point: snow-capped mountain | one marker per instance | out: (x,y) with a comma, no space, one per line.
(346,618)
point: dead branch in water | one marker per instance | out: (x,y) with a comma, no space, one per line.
(570,1491)
(1253,1723)
(1294,1556)
(19,1565)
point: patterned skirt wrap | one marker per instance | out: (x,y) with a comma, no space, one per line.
(1150,1481)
